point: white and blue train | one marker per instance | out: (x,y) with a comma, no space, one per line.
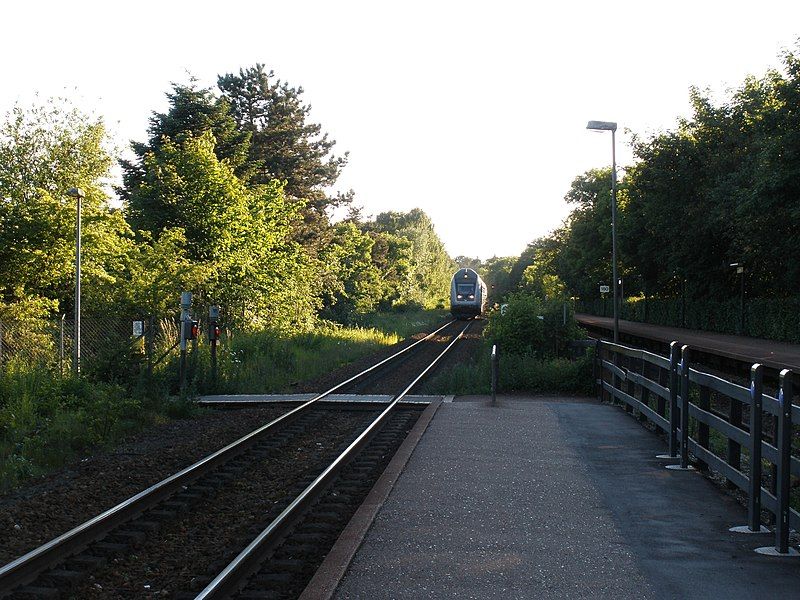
(467,294)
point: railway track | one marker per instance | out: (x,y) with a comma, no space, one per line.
(88,560)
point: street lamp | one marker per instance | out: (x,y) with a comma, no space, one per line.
(612,127)
(740,270)
(78,194)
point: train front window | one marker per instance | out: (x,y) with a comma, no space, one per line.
(465,289)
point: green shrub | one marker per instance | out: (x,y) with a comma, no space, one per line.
(533,327)
(518,373)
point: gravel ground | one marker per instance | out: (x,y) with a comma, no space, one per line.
(54,504)
(212,533)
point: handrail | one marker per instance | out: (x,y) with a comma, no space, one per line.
(610,359)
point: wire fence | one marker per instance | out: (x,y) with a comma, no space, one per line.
(110,345)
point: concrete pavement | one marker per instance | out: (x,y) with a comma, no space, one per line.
(539,498)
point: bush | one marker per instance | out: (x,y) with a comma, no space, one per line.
(533,327)
(518,373)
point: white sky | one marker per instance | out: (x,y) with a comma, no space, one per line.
(473,111)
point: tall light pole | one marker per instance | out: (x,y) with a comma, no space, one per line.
(612,127)
(79,195)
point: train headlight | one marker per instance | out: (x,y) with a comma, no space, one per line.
(472,296)
(459,297)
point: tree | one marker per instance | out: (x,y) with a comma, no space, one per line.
(44,151)
(239,234)
(285,146)
(428,283)
(192,112)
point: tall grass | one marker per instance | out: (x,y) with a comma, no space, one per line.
(265,362)
(47,420)
(403,324)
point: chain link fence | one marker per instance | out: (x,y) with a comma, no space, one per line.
(111,347)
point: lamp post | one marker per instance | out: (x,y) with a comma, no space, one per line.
(78,194)
(612,127)
(740,270)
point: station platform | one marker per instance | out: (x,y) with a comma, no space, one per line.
(771,354)
(553,498)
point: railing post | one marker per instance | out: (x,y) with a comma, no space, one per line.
(663,380)
(597,370)
(630,386)
(684,367)
(784,443)
(616,383)
(754,500)
(674,353)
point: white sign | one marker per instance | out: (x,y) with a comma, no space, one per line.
(604,289)
(503,308)
(138,328)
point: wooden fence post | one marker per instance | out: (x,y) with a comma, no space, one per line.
(734,448)
(704,403)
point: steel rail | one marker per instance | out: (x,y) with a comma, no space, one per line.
(27,567)
(230,578)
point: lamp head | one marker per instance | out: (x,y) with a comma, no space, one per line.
(602,125)
(76,192)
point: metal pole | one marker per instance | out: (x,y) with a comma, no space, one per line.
(741,306)
(186,304)
(614,231)
(494,374)
(78,194)
(61,346)
(784,463)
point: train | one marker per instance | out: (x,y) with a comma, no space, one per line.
(467,294)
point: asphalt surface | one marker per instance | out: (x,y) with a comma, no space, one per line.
(776,355)
(537,498)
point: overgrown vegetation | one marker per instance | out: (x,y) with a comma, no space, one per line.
(47,420)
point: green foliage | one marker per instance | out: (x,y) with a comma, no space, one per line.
(46,421)
(769,318)
(427,282)
(721,187)
(44,151)
(271,361)
(518,373)
(286,147)
(522,331)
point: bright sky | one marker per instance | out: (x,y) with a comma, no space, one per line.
(473,111)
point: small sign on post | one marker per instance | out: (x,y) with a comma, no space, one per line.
(138,329)
(604,289)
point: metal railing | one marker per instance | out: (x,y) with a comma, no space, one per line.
(704,415)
